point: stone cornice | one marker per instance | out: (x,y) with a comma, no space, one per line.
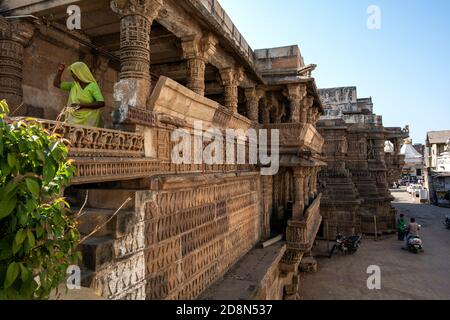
(16,31)
(146,8)
(195,47)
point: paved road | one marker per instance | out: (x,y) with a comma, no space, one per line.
(404,275)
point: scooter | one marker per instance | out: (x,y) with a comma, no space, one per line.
(347,245)
(415,244)
(447,222)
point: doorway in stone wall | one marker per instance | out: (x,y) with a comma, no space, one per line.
(283,201)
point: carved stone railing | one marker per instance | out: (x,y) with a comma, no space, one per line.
(300,235)
(297,136)
(96,142)
(174,100)
(92,170)
(313,220)
(104,155)
(397,133)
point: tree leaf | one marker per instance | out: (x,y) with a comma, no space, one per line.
(12,159)
(31,238)
(7,206)
(25,274)
(39,231)
(33,187)
(11,274)
(49,173)
(16,247)
(20,236)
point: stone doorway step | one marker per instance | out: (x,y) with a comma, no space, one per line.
(114,239)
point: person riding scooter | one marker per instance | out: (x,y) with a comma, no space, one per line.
(412,230)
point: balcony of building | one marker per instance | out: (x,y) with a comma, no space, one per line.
(297,137)
(301,233)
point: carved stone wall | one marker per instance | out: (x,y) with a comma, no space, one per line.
(195,234)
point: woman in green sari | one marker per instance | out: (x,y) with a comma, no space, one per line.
(85,103)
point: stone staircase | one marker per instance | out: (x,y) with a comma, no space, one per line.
(112,255)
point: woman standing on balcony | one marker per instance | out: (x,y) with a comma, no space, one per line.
(86,101)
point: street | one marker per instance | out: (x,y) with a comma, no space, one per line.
(404,275)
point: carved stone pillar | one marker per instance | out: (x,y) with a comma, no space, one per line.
(299,197)
(278,108)
(137,17)
(253,97)
(197,51)
(309,117)
(306,186)
(312,181)
(231,78)
(316,116)
(296,93)
(317,170)
(265,112)
(14,37)
(307,109)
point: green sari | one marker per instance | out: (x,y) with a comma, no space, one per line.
(90,94)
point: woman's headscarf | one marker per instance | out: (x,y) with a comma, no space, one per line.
(82,72)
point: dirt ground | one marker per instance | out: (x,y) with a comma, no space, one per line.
(404,275)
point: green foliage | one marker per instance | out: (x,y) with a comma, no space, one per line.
(38,239)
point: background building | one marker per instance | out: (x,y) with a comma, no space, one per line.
(413,168)
(355,185)
(437,162)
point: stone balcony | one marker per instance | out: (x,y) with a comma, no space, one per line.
(103,155)
(300,234)
(297,137)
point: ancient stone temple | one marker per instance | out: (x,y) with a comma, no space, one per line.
(163,67)
(356,182)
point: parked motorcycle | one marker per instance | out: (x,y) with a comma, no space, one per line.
(347,245)
(415,244)
(447,222)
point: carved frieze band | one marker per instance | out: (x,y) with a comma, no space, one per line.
(90,141)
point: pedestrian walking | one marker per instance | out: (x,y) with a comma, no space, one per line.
(401,227)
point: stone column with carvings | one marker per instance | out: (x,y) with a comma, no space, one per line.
(296,93)
(136,18)
(253,96)
(265,113)
(299,198)
(14,37)
(197,52)
(307,109)
(317,170)
(306,185)
(316,116)
(312,182)
(231,78)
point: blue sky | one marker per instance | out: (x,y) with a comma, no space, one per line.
(404,66)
